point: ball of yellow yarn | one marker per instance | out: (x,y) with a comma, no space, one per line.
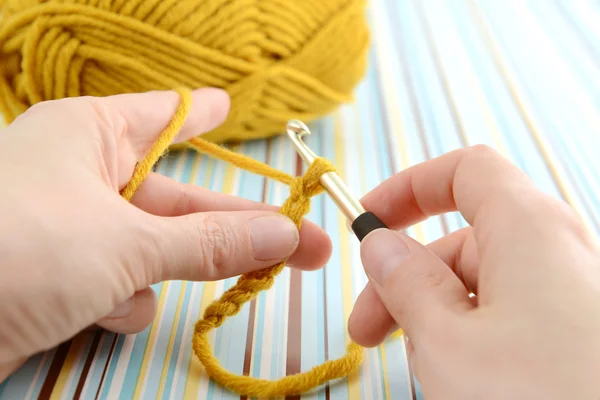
(278,59)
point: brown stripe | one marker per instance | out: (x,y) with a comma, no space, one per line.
(252,314)
(249,336)
(108,360)
(294,350)
(88,362)
(54,371)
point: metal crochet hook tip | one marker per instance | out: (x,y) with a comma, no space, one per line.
(362,222)
(295,130)
(331,181)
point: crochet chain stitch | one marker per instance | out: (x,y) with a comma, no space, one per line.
(249,285)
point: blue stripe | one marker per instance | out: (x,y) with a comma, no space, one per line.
(401,116)
(101,358)
(17,385)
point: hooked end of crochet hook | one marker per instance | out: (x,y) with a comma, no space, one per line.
(362,222)
(295,130)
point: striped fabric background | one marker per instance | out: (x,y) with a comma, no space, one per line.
(520,76)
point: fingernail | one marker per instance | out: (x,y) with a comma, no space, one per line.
(382,251)
(122,310)
(273,237)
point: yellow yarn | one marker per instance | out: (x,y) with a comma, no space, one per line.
(249,285)
(278,59)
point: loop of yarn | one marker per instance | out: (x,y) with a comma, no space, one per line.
(277,59)
(249,285)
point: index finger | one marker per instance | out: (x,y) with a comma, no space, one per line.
(147,114)
(476,181)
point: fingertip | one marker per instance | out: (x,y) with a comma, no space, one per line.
(362,332)
(140,316)
(370,323)
(218,103)
(314,250)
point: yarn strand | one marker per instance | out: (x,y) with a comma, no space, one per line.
(249,285)
(278,60)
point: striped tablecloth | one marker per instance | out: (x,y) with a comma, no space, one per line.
(520,76)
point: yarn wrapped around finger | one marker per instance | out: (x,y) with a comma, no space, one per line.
(277,59)
(249,285)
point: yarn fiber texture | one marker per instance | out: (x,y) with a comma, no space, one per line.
(278,59)
(249,285)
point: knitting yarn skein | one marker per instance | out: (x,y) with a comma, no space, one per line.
(278,59)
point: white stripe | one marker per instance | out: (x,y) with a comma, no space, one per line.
(366,374)
(186,337)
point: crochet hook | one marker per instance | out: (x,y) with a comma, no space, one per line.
(362,222)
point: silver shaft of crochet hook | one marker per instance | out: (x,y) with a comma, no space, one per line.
(362,221)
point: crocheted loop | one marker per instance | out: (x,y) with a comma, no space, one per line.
(249,285)
(247,288)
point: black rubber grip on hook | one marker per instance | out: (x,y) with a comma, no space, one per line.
(365,224)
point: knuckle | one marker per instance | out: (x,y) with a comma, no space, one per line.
(413,283)
(218,245)
(472,159)
(142,261)
(106,118)
(183,200)
(86,112)
(49,109)
(427,279)
(564,214)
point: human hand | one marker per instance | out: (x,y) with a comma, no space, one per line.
(531,331)
(75,254)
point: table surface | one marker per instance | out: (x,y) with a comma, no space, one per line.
(520,76)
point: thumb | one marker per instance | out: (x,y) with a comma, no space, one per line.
(415,286)
(217,245)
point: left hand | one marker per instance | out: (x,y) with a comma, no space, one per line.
(75,254)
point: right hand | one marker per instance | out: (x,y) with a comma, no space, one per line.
(533,329)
